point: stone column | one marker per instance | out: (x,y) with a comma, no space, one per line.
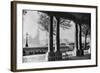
(51,54)
(58,54)
(76,37)
(79,50)
(76,40)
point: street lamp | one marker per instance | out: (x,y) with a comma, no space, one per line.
(26,39)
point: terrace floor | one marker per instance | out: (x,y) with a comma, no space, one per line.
(43,58)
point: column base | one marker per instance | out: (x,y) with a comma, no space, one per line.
(80,53)
(51,56)
(58,55)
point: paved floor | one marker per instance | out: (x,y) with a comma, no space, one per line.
(87,56)
(35,58)
(43,58)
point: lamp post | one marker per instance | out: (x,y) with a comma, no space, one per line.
(26,39)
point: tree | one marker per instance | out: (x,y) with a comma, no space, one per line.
(65,23)
(24,12)
(45,22)
(85,32)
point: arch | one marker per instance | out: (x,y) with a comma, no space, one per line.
(78,18)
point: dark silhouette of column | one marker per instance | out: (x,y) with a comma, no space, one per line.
(80,50)
(51,54)
(76,40)
(58,54)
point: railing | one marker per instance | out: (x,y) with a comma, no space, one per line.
(42,50)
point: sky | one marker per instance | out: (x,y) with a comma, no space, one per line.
(30,23)
(38,37)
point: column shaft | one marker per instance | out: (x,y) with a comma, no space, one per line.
(58,35)
(58,54)
(79,51)
(51,34)
(51,54)
(76,26)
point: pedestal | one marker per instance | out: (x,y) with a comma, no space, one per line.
(51,56)
(80,52)
(58,55)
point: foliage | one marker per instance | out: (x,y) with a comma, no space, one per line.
(85,28)
(45,22)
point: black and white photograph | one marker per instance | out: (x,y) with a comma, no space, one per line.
(56,36)
(53,36)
